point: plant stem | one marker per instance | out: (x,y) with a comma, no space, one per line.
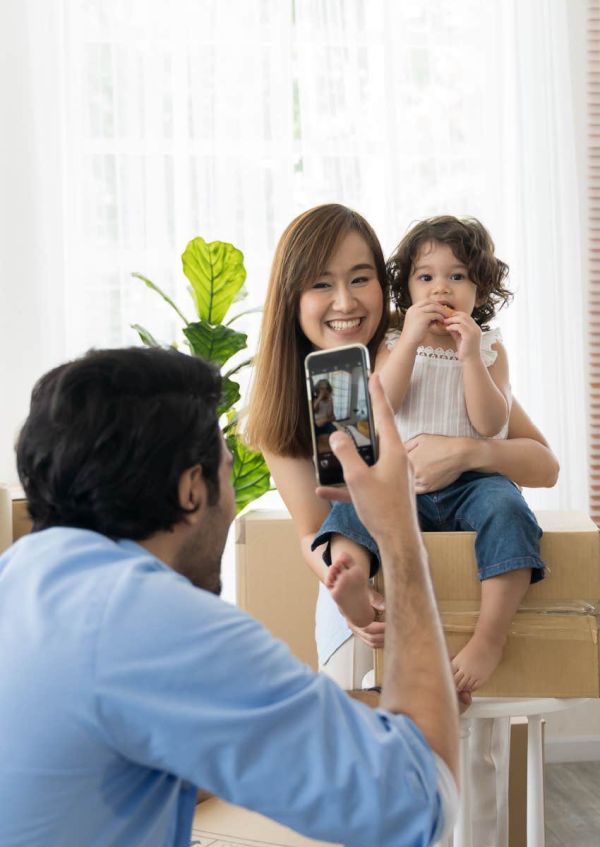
(238,367)
(165,297)
(245,312)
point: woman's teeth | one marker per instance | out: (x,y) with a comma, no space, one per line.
(341,325)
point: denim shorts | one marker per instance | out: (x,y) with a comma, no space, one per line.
(508,535)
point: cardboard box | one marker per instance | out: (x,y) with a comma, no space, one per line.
(14,517)
(553,647)
(219,824)
(547,654)
(5,518)
(273,582)
(570,549)
(21,519)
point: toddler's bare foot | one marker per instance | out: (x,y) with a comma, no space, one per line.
(349,587)
(476,662)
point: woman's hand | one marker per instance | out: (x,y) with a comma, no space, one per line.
(437,460)
(372,635)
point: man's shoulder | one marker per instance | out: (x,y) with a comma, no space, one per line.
(72,573)
(69,550)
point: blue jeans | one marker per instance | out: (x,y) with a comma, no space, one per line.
(508,535)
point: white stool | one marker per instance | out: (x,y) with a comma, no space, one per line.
(508,707)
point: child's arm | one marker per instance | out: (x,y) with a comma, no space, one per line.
(487,390)
(487,393)
(395,369)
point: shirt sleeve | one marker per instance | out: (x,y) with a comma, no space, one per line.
(391,338)
(192,686)
(488,338)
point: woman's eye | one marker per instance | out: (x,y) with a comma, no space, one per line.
(321,285)
(359,280)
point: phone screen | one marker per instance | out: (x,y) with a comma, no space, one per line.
(339,400)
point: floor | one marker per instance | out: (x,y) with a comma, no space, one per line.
(572,804)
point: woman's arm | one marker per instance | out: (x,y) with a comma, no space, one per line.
(524,457)
(296,482)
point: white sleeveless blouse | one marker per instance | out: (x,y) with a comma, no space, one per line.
(435,400)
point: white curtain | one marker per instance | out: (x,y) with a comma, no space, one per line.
(225,119)
(32,209)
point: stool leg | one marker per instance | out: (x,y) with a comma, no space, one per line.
(535,783)
(462,830)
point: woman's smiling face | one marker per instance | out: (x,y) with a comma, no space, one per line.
(345,303)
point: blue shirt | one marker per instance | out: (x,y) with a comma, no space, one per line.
(123,688)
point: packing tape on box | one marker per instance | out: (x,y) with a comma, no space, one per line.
(567,622)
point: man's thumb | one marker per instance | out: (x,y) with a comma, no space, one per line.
(345,451)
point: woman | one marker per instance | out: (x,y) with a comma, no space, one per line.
(328,287)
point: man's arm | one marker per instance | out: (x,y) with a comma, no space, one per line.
(207,695)
(417,681)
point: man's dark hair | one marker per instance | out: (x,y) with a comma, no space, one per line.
(109,435)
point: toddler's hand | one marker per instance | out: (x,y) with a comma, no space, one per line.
(466,333)
(418,319)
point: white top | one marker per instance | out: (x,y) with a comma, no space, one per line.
(435,400)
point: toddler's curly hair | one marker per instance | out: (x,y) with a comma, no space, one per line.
(472,245)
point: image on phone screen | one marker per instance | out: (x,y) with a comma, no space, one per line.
(340,401)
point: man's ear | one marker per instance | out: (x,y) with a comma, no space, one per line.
(192,493)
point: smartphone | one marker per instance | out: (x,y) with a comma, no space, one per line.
(338,399)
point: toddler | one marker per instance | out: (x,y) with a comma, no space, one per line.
(446,373)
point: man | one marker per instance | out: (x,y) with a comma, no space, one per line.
(126,683)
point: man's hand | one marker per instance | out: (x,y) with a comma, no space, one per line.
(383,494)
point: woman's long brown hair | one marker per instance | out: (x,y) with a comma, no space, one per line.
(277,418)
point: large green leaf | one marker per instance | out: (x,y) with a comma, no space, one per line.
(231,394)
(216,272)
(251,477)
(215,343)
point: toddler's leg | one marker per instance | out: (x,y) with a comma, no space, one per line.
(500,598)
(348,580)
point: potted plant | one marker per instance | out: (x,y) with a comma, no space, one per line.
(216,275)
